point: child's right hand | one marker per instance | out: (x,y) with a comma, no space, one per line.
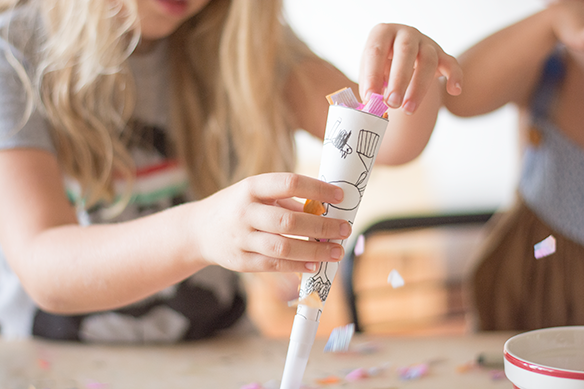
(407,61)
(243,227)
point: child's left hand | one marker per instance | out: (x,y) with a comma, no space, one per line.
(401,63)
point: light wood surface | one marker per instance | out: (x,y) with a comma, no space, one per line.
(229,362)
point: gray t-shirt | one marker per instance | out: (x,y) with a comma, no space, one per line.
(210,300)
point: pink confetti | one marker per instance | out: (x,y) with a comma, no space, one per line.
(545,247)
(497,375)
(375,105)
(44,364)
(357,375)
(413,372)
(360,245)
(96,385)
(346,98)
(253,385)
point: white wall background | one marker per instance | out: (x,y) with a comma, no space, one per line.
(470,164)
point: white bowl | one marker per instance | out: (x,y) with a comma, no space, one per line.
(550,358)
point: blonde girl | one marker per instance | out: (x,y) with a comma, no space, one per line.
(146,150)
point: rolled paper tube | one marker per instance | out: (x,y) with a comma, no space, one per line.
(351,143)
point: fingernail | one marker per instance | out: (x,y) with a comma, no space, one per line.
(339,194)
(311,266)
(336,253)
(367,95)
(394,100)
(409,108)
(345,230)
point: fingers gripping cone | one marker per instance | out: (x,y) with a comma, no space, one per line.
(352,141)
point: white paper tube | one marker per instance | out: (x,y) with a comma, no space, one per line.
(351,143)
(301,339)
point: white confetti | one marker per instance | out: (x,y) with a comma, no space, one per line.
(545,247)
(340,339)
(360,245)
(395,279)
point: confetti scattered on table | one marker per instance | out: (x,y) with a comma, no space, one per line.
(395,279)
(357,375)
(360,245)
(413,372)
(253,385)
(328,380)
(340,339)
(96,385)
(545,247)
(497,374)
(494,374)
(466,367)
(44,364)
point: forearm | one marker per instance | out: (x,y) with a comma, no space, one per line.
(407,135)
(306,91)
(503,67)
(72,269)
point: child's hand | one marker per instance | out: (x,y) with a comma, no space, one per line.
(407,61)
(241,227)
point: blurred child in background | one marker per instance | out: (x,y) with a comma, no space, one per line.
(538,65)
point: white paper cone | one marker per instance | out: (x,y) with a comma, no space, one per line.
(351,143)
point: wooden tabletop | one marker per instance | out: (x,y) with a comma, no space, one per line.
(230,362)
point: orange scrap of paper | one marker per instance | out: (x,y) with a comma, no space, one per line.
(314,207)
(328,380)
(312,300)
(329,97)
(465,367)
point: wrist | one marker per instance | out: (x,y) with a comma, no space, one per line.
(191,229)
(183,238)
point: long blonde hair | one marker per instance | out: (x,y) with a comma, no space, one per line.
(228,65)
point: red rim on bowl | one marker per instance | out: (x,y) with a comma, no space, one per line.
(544,369)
